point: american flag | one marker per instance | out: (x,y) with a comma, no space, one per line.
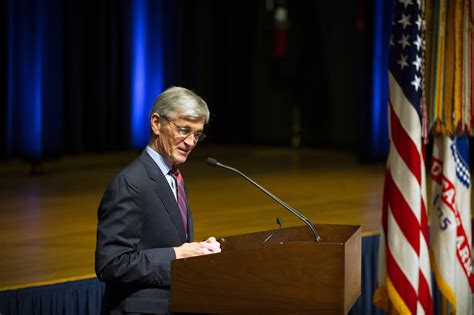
(404,266)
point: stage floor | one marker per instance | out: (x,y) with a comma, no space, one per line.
(48,221)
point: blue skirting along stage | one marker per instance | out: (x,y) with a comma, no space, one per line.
(84,296)
(75,297)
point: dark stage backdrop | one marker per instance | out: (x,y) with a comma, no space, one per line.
(80,76)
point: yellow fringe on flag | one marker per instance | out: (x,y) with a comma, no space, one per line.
(396,300)
(388,299)
(380,298)
(446,291)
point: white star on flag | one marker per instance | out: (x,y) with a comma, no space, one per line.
(405,20)
(418,22)
(417,42)
(403,61)
(404,40)
(417,63)
(416,82)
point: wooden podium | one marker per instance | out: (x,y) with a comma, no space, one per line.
(290,274)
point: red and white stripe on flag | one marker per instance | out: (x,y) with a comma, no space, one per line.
(404,275)
(404,266)
(450,224)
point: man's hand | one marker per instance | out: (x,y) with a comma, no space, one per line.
(209,246)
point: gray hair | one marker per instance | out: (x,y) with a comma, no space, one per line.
(177,102)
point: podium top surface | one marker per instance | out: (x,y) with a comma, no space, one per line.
(329,233)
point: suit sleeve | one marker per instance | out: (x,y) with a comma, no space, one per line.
(118,234)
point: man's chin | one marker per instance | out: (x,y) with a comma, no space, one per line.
(180,159)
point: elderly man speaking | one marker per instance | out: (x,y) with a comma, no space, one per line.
(144,220)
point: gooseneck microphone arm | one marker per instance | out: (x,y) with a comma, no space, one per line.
(214,162)
(279,222)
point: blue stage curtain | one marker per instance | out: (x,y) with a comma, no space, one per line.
(80,75)
(33,117)
(378,148)
(8,302)
(147,65)
(370,251)
(82,297)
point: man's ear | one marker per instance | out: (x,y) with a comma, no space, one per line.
(155,123)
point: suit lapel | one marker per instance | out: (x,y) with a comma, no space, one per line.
(163,190)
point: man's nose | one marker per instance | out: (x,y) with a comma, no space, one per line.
(190,140)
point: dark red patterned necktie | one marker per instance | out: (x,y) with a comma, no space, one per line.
(181,196)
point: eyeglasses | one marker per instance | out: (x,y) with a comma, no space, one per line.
(184,132)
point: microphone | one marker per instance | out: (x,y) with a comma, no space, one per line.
(279,222)
(214,162)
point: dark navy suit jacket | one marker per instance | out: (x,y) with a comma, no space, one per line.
(139,224)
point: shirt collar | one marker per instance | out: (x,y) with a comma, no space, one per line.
(159,160)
